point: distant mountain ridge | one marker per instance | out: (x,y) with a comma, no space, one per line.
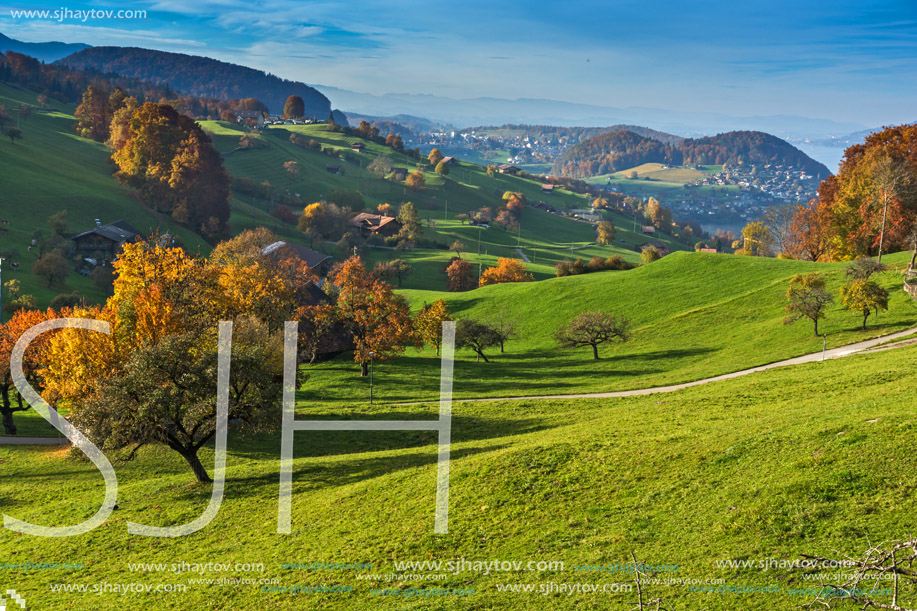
(44,51)
(574,135)
(534,111)
(199,76)
(622,149)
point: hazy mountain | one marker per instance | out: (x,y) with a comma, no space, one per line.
(199,76)
(494,111)
(45,51)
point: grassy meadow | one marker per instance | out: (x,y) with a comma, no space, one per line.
(807,459)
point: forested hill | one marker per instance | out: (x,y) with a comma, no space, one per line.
(623,149)
(199,76)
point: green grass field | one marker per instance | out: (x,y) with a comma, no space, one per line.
(693,315)
(808,459)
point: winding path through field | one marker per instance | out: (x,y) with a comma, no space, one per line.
(835,353)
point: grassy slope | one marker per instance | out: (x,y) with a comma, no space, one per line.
(808,459)
(51,169)
(694,315)
(544,237)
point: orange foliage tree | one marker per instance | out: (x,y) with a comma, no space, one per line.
(378,320)
(506,270)
(21,321)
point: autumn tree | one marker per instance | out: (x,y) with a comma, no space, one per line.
(411,228)
(294,108)
(385,209)
(93,115)
(58,222)
(396,268)
(378,320)
(153,379)
(476,336)
(810,231)
(442,168)
(457,247)
(807,297)
(172,162)
(394,141)
(756,240)
(381,166)
(864,296)
(592,329)
(415,181)
(460,276)
(435,157)
(658,215)
(10,332)
(52,267)
(321,220)
(650,254)
(428,323)
(506,270)
(291,168)
(605,232)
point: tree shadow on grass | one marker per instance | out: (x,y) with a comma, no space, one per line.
(416,378)
(343,472)
(310,444)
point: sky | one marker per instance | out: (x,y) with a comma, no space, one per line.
(847,61)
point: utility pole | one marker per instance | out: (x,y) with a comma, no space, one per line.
(1,290)
(371,372)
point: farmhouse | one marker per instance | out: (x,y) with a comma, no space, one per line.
(257,115)
(319,262)
(648,230)
(104,241)
(546,188)
(400,173)
(358,147)
(508,169)
(448,160)
(375,224)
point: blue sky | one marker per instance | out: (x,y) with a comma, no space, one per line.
(837,59)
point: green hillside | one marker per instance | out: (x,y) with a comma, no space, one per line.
(51,169)
(545,238)
(694,315)
(813,459)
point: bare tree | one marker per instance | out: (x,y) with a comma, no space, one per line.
(503,323)
(892,180)
(779,220)
(644,600)
(867,581)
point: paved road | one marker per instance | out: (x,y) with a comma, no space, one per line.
(33,441)
(833,353)
(522,254)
